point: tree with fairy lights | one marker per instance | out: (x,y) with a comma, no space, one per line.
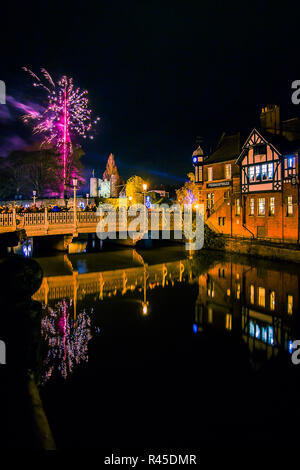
(65,118)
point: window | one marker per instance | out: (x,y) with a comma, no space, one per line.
(228,172)
(251,207)
(251,173)
(210,200)
(264,172)
(289,205)
(252,294)
(261,206)
(209,174)
(290,162)
(272,300)
(270,171)
(238,207)
(258,173)
(238,291)
(259,150)
(210,287)
(261,296)
(228,324)
(221,220)
(290,302)
(272,206)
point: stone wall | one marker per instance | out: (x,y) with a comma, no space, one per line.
(262,249)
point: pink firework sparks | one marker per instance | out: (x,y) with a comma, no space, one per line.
(66,115)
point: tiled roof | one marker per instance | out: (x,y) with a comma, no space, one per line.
(228,148)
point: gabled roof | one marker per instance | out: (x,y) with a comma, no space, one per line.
(279,143)
(228,149)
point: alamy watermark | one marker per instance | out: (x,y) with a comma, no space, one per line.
(2,92)
(2,352)
(296,94)
(168,222)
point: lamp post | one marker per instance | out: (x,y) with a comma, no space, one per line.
(75,181)
(87,198)
(34,197)
(144,191)
(145,209)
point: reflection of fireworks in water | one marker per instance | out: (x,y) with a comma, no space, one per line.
(67,339)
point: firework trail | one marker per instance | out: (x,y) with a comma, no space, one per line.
(65,117)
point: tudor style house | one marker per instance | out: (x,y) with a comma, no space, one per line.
(250,186)
(270,186)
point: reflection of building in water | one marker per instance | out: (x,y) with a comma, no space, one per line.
(257,302)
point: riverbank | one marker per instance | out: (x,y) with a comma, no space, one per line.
(260,248)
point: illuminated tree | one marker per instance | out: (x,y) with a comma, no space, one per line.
(134,189)
(189,193)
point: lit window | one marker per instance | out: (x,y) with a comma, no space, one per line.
(228,172)
(290,301)
(261,206)
(270,171)
(210,200)
(272,206)
(228,292)
(264,334)
(228,321)
(270,335)
(261,296)
(272,300)
(289,205)
(252,294)
(258,173)
(238,291)
(251,173)
(290,162)
(264,172)
(238,207)
(209,174)
(251,207)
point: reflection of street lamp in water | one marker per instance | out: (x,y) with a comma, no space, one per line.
(145,304)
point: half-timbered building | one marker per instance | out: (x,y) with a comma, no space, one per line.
(269,186)
(250,185)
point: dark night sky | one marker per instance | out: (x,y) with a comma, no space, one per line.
(158,73)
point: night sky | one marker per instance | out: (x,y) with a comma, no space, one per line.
(159,74)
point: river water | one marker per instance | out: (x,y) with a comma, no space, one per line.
(159,347)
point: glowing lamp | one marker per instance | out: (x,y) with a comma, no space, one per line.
(194,159)
(144,187)
(34,193)
(75,181)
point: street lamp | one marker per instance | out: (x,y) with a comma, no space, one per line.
(34,196)
(144,190)
(87,198)
(75,182)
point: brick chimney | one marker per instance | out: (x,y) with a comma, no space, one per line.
(270,118)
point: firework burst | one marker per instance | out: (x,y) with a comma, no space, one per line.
(66,117)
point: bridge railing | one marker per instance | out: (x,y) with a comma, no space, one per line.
(7,220)
(60,217)
(34,218)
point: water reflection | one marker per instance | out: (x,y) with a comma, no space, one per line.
(253,300)
(67,336)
